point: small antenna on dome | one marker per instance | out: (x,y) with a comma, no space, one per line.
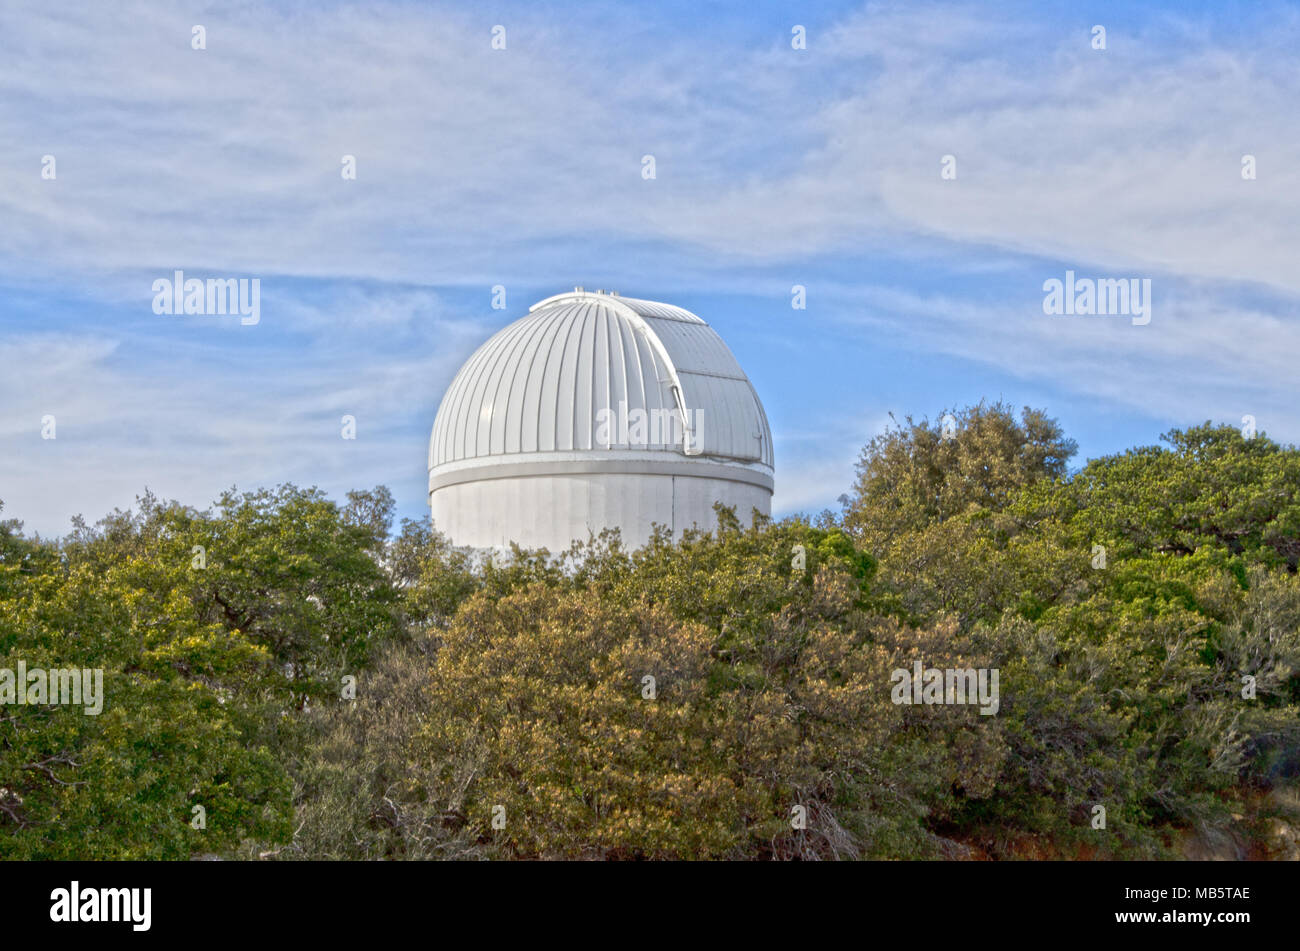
(577,290)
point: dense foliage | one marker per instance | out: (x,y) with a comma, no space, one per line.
(213,631)
(724,695)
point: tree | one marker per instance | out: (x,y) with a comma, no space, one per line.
(211,630)
(920,473)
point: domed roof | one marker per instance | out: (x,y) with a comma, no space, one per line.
(540,385)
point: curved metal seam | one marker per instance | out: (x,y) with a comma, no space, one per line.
(559,354)
(552,326)
(588,311)
(603,319)
(525,347)
(472,402)
(498,378)
(622,359)
(507,342)
(640,368)
(454,425)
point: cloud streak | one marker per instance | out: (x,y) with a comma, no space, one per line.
(523,167)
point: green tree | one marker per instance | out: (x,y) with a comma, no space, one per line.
(920,473)
(213,631)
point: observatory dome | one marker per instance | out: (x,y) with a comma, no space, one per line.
(597,411)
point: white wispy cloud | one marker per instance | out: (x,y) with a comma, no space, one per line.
(230,156)
(192,419)
(1201,357)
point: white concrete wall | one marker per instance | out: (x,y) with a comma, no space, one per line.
(550,511)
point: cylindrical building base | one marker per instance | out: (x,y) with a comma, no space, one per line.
(552,511)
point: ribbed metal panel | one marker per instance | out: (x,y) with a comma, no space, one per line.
(539,383)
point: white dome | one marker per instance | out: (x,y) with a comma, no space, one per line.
(588,413)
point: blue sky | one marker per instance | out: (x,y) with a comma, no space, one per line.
(522,167)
